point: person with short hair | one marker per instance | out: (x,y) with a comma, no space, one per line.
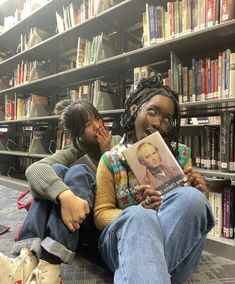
(62,210)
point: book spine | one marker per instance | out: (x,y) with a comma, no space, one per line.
(231,148)
(232,215)
(224,140)
(211,199)
(218,214)
(232,76)
(152,24)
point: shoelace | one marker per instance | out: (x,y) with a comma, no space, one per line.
(19,261)
(36,276)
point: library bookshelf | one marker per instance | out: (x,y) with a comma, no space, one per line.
(126,32)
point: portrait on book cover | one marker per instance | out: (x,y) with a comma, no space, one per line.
(152,161)
(156,171)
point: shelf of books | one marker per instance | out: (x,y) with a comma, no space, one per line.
(93,49)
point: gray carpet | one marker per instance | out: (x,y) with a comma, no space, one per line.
(211,269)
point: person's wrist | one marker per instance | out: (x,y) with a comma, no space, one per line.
(64,195)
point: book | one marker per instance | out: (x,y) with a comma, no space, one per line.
(36,36)
(226,10)
(153,163)
(86,160)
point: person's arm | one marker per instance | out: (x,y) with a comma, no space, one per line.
(42,178)
(105,209)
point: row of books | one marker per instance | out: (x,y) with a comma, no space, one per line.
(103,95)
(21,107)
(87,52)
(28,71)
(35,36)
(76,13)
(29,6)
(182,17)
(34,139)
(212,148)
(97,49)
(201,120)
(223,204)
(19,166)
(207,78)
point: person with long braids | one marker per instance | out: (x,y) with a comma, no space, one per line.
(148,238)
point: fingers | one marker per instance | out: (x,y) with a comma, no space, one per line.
(195,179)
(104,139)
(152,202)
(150,198)
(76,217)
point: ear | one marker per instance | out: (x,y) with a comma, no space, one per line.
(133,109)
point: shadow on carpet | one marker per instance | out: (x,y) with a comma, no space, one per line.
(212,269)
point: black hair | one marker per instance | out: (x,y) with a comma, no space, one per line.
(60,106)
(145,90)
(75,117)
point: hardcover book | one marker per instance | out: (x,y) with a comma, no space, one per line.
(153,163)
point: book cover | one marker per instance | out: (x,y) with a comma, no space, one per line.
(153,163)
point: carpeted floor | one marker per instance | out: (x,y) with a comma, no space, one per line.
(211,269)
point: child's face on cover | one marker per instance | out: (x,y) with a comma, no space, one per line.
(146,124)
(150,157)
(92,125)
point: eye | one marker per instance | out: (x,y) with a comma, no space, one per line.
(88,123)
(152,112)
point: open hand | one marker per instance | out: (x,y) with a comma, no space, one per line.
(104,138)
(150,198)
(195,179)
(73,210)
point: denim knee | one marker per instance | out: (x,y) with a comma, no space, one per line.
(192,199)
(60,170)
(195,205)
(137,217)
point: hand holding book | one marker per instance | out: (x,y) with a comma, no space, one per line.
(149,197)
(195,179)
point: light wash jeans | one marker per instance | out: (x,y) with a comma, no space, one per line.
(143,246)
(43,226)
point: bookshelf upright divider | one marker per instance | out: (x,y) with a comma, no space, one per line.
(95,54)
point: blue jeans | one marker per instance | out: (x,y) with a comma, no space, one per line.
(144,246)
(43,226)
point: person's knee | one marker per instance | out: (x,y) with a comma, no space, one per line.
(138,215)
(60,170)
(191,195)
(81,169)
(193,201)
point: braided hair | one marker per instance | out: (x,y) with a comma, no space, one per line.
(145,90)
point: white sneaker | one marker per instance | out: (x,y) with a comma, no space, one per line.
(45,273)
(17,270)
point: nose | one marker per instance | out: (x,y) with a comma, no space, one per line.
(156,122)
(96,124)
